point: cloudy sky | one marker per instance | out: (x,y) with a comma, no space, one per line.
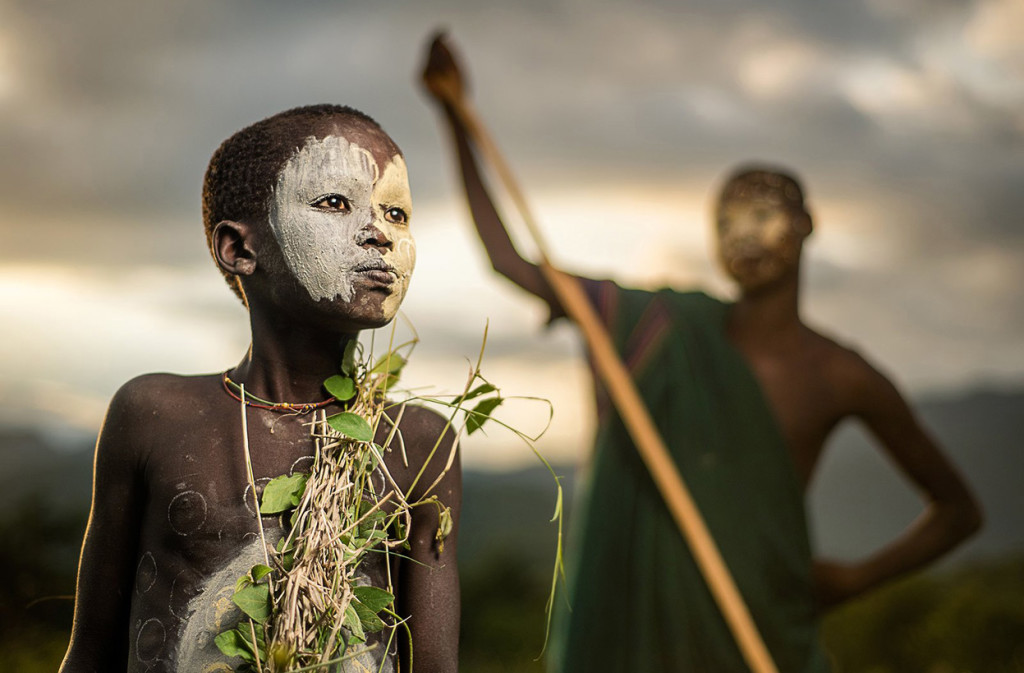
(905,119)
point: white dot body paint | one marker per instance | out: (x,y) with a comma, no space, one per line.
(187,512)
(323,247)
(146,573)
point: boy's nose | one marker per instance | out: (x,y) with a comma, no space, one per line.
(372,236)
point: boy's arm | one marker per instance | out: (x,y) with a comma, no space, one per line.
(99,635)
(951,513)
(429,582)
(443,80)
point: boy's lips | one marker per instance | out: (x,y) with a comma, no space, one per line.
(378,270)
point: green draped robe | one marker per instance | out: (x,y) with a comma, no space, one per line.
(638,601)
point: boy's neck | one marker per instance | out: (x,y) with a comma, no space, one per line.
(288,362)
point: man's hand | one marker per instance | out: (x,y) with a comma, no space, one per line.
(442,76)
(835,583)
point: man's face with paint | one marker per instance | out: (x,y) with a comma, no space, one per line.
(759,240)
(340,213)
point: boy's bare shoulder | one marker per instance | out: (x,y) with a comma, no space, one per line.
(141,416)
(162,389)
(155,398)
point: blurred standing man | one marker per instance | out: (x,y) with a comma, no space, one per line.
(744,395)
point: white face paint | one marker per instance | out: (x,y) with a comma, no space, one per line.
(328,201)
(757,241)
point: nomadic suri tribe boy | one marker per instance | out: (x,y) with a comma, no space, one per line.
(307,215)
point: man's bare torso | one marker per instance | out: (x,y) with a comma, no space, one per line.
(811,384)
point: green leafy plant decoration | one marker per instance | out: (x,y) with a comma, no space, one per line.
(305,607)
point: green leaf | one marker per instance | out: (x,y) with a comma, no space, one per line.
(481,389)
(353,623)
(481,414)
(367,462)
(348,358)
(246,629)
(390,363)
(368,619)
(371,522)
(375,598)
(254,601)
(232,644)
(377,536)
(389,381)
(259,571)
(282,493)
(351,425)
(341,387)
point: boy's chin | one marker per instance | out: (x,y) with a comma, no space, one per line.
(365,312)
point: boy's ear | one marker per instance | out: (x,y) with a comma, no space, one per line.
(803,223)
(233,248)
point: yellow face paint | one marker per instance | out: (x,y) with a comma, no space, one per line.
(391,192)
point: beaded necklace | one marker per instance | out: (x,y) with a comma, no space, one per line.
(250,400)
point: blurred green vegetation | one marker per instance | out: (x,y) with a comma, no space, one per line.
(503,617)
(37,561)
(968,619)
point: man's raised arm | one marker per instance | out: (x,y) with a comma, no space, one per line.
(443,80)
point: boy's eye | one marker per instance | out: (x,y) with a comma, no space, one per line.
(331,202)
(396,216)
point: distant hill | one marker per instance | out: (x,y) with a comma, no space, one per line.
(508,514)
(55,467)
(856,502)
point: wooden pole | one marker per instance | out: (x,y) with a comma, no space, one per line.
(627,400)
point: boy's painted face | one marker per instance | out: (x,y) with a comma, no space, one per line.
(757,240)
(342,221)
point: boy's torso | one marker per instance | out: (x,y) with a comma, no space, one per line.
(199,530)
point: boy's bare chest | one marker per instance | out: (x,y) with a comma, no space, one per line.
(203,530)
(201,501)
(200,498)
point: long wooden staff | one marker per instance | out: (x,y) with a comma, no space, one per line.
(634,414)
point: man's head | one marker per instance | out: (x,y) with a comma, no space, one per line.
(320,195)
(761,225)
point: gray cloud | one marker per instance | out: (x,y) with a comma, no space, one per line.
(114,107)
